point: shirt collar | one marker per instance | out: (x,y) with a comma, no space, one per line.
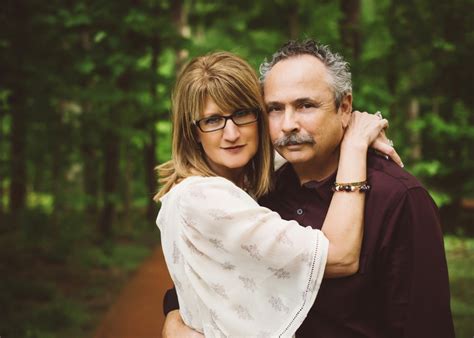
(287,180)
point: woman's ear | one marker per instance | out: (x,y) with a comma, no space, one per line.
(345,108)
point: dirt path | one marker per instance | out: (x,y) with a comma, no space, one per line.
(137,313)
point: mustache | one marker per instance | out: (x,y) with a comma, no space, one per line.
(293,139)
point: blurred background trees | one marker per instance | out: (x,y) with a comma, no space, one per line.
(85,88)
(85,99)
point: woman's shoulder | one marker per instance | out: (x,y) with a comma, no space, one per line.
(212,180)
(205,182)
(203,187)
(206,198)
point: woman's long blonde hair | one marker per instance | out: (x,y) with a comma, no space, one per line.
(232,84)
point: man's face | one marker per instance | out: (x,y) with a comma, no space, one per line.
(305,126)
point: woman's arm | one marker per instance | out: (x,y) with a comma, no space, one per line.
(230,255)
(343,225)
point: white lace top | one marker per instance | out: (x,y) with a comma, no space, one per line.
(238,268)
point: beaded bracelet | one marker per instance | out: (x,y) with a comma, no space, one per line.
(349,187)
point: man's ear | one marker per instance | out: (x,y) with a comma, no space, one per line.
(345,109)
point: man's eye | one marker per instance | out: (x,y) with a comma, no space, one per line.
(308,105)
(273,109)
(212,120)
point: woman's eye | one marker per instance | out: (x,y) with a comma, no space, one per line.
(241,113)
(212,120)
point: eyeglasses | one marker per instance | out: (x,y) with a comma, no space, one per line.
(217,122)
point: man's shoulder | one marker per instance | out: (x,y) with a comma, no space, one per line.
(386,176)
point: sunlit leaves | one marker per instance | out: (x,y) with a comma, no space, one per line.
(76,16)
(99,36)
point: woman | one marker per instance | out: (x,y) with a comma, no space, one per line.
(238,268)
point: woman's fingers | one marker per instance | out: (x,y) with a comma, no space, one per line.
(387,149)
(365,126)
(371,127)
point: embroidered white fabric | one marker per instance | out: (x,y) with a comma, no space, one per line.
(238,268)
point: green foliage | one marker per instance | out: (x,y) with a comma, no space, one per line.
(99,69)
(60,314)
(460,256)
(164,148)
(63,292)
(124,257)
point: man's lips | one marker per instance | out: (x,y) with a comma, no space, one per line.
(293,145)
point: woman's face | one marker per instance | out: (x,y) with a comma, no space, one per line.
(228,150)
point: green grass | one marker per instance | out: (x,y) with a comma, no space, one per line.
(62,287)
(460,255)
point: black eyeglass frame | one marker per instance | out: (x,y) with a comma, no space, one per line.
(257,112)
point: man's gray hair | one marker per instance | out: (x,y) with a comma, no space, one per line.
(337,67)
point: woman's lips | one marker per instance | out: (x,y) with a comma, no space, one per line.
(234,149)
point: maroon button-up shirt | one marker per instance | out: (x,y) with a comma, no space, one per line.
(402,287)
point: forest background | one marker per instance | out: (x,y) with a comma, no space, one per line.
(85,117)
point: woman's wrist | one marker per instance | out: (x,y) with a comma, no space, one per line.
(351,146)
(352,162)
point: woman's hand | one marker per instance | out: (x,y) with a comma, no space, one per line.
(175,327)
(366,130)
(384,147)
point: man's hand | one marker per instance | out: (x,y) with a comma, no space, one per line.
(175,327)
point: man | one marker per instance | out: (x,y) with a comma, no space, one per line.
(402,287)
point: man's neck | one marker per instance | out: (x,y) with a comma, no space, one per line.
(318,169)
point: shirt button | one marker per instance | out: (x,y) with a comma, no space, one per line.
(299,211)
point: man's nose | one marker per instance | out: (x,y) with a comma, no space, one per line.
(290,121)
(231,131)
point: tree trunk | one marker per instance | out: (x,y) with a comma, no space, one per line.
(19,122)
(150,177)
(91,178)
(293,21)
(90,155)
(57,184)
(89,146)
(180,15)
(349,26)
(126,188)
(112,160)
(3,173)
(110,179)
(415,138)
(18,155)
(149,150)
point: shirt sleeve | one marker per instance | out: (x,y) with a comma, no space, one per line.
(257,273)
(170,301)
(415,277)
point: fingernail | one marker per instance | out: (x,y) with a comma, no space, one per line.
(386,157)
(402,165)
